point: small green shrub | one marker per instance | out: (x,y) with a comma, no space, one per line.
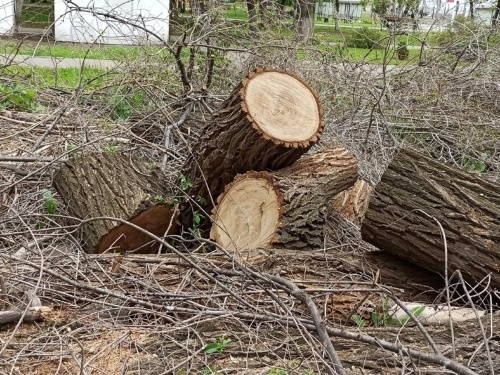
(17,97)
(217,346)
(367,38)
(49,203)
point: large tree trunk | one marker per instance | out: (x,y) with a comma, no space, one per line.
(269,121)
(305,19)
(252,16)
(113,185)
(418,196)
(284,208)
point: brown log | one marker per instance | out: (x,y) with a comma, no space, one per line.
(285,208)
(268,122)
(13,316)
(113,185)
(416,196)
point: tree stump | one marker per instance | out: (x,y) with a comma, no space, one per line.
(268,122)
(113,185)
(284,208)
(416,196)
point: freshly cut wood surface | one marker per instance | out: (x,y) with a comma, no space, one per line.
(113,185)
(282,107)
(268,122)
(283,208)
(353,202)
(419,199)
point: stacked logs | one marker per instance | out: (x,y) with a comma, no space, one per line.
(260,192)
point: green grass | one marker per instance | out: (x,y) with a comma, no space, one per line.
(77,50)
(43,15)
(63,78)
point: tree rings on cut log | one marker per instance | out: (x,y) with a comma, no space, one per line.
(116,186)
(282,107)
(268,122)
(285,208)
(251,208)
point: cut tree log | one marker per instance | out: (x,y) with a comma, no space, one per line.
(113,185)
(285,208)
(420,199)
(268,122)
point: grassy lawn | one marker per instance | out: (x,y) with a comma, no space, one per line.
(63,78)
(77,50)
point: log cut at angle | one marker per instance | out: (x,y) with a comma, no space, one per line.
(114,185)
(285,208)
(268,122)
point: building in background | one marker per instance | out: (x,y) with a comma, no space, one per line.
(348,10)
(112,21)
(6,16)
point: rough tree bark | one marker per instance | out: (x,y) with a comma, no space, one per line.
(252,16)
(284,208)
(305,15)
(113,185)
(269,121)
(416,196)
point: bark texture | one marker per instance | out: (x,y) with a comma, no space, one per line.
(113,185)
(269,121)
(286,208)
(418,194)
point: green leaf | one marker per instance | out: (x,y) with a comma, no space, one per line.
(211,348)
(359,322)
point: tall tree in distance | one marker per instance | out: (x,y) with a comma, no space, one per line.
(253,22)
(496,14)
(305,19)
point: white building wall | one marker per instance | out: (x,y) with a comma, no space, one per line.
(349,8)
(111,21)
(6,16)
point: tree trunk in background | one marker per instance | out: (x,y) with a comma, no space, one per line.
(471,9)
(416,196)
(268,122)
(285,208)
(18,9)
(305,18)
(263,10)
(496,14)
(337,10)
(252,16)
(113,185)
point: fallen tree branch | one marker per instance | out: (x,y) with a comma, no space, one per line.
(303,297)
(13,316)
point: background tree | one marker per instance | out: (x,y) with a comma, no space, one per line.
(305,19)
